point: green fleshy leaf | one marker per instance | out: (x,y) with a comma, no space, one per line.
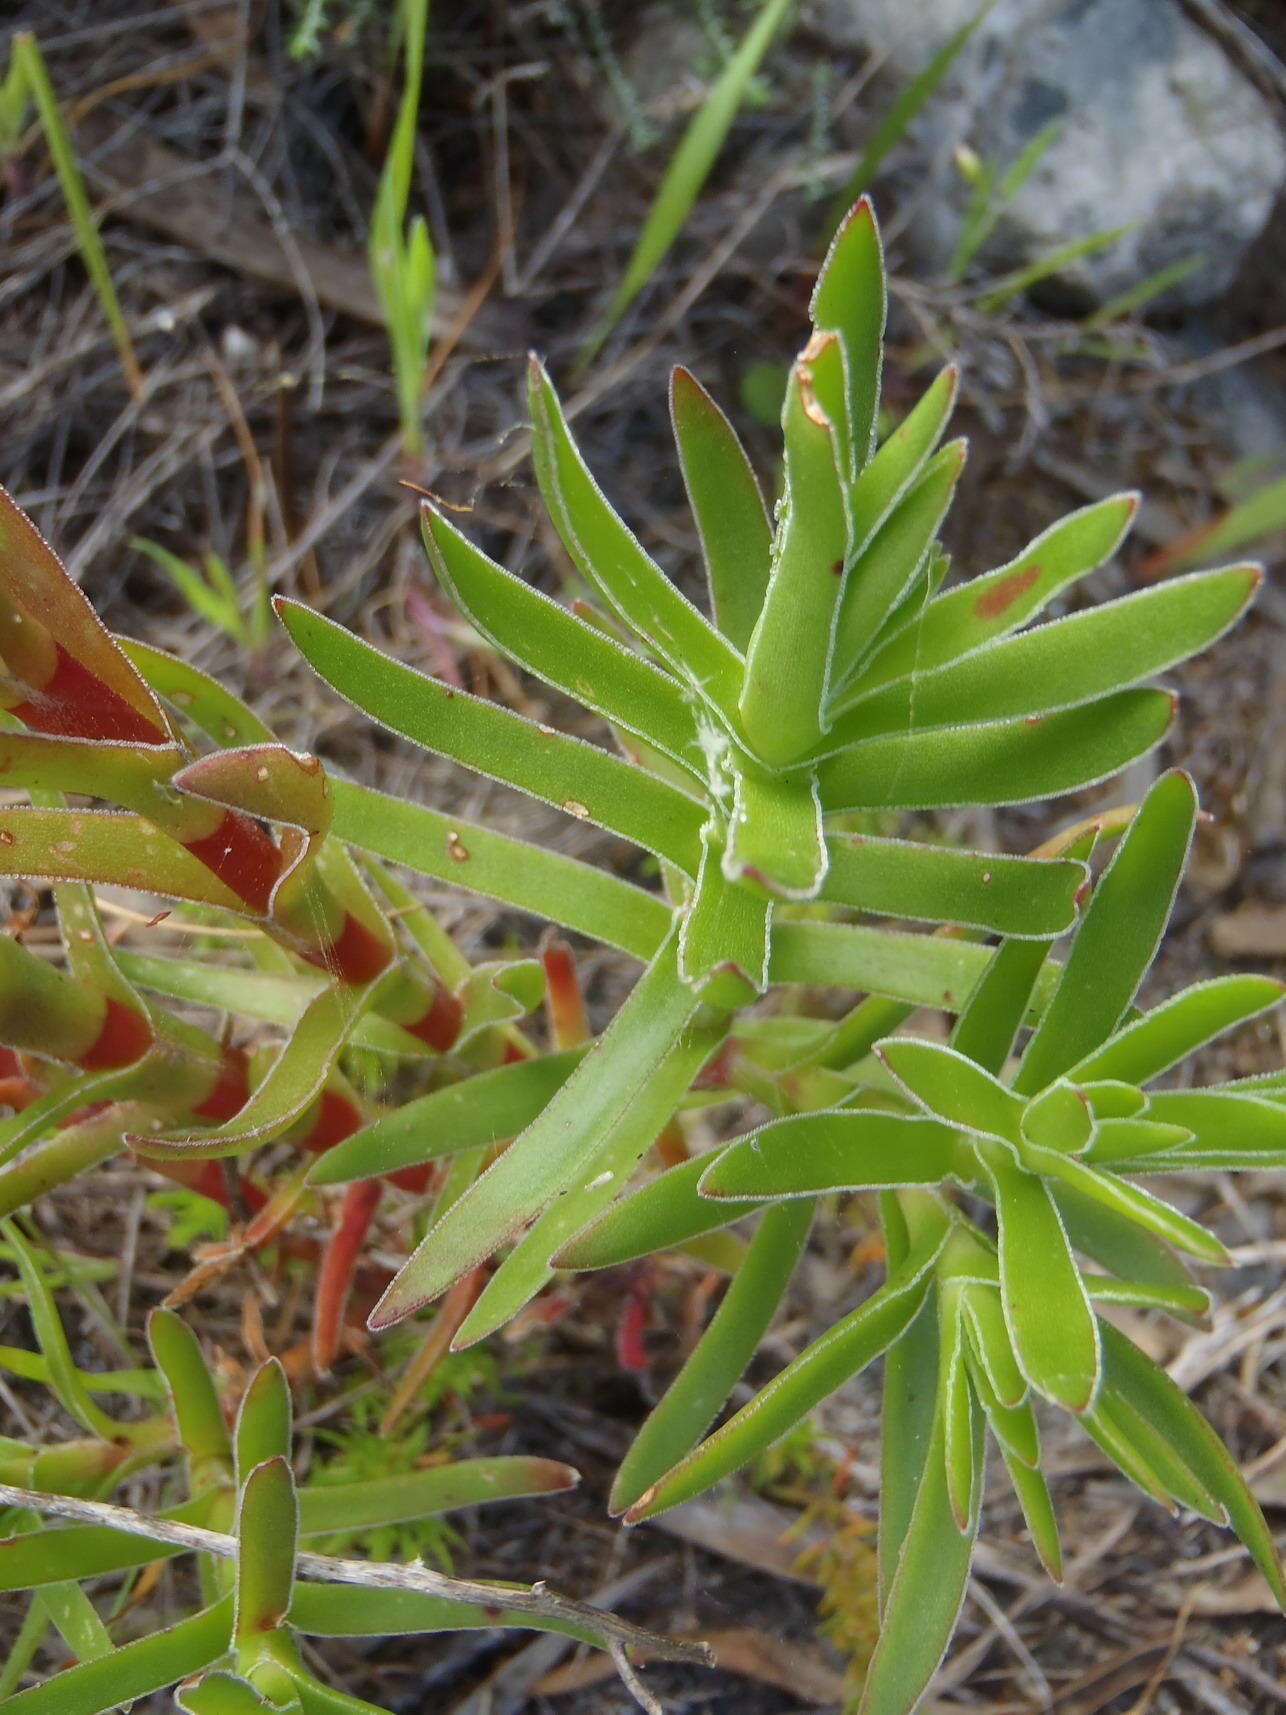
(788,658)
(664,1214)
(1127,1141)
(1158,1400)
(202,699)
(962,1445)
(574,894)
(264,1422)
(1053,1329)
(775,838)
(1228,1131)
(939,884)
(849,298)
(193,1397)
(53,1555)
(926,970)
(1038,1513)
(990,607)
(1129,1200)
(945,1084)
(221,1694)
(1059,1118)
(995,762)
(1185,1303)
(1117,937)
(1143,1457)
(267,1530)
(557,1147)
(724,937)
(990,1020)
(348,1611)
(610,559)
(325,1508)
(880,576)
(64,1377)
(908,1412)
(1067,662)
(527,1268)
(806,1154)
(927,1586)
(587,782)
(133,1670)
(695,1396)
(1144,1048)
(845,1349)
(985,1318)
(1112,1101)
(727,505)
(76,1620)
(900,459)
(564,651)
(1119,1244)
(484,1109)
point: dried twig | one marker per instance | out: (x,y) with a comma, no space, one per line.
(372,1574)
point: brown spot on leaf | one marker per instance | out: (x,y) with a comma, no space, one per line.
(1002,595)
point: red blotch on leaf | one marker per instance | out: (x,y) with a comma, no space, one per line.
(75,703)
(125,1037)
(357,955)
(439,1024)
(243,856)
(1002,595)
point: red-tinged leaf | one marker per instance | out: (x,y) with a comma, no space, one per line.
(68,675)
(292,1083)
(338,1265)
(112,846)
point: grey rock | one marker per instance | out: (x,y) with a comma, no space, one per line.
(1159,130)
